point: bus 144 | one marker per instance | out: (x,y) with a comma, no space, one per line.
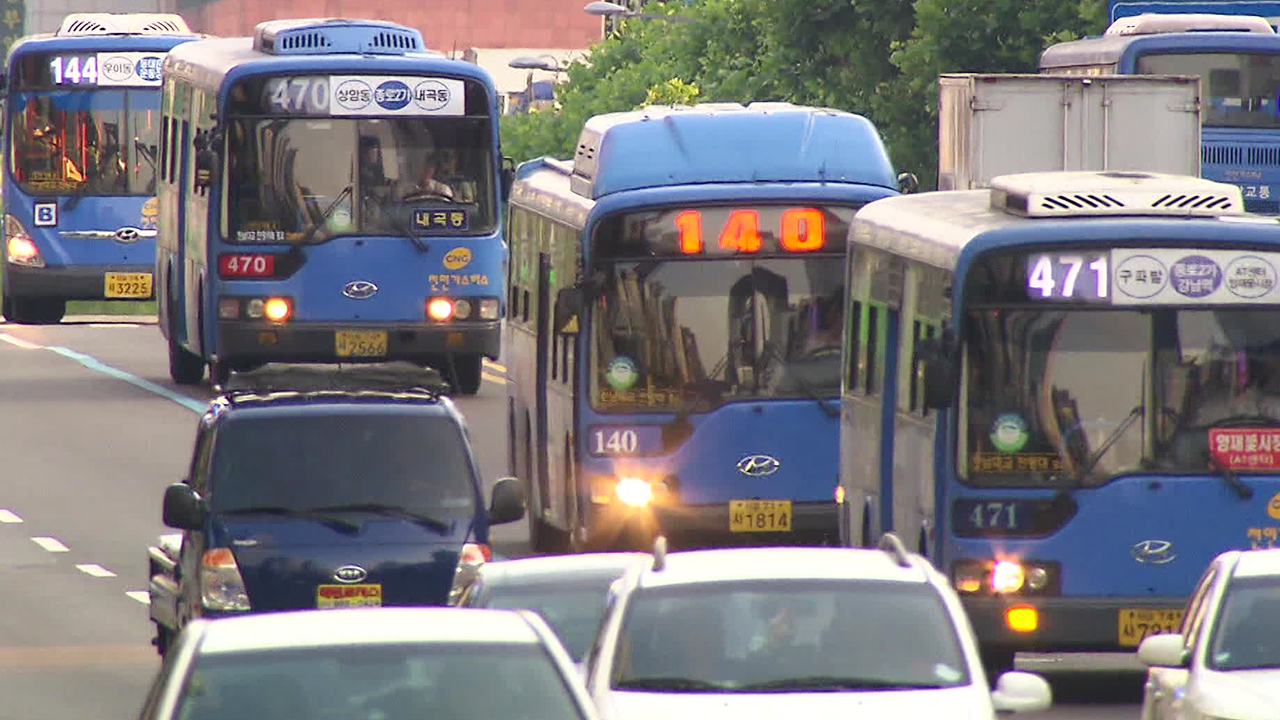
(330,192)
(676,296)
(1109,396)
(82,129)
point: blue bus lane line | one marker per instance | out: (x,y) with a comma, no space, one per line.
(96,365)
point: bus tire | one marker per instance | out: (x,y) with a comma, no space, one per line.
(35,311)
(219,372)
(464,373)
(185,368)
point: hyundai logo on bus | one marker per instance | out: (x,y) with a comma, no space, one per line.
(1153,552)
(758,465)
(360,290)
(128,234)
(350,574)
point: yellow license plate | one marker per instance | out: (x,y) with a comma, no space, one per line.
(360,343)
(1138,623)
(759,516)
(128,285)
(341,596)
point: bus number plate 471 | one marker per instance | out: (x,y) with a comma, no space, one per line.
(1138,623)
(759,515)
(127,285)
(360,343)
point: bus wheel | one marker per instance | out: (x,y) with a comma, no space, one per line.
(219,372)
(35,311)
(185,368)
(464,373)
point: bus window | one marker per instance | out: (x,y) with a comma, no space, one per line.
(1236,89)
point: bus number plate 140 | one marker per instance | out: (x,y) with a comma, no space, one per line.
(1138,623)
(759,515)
(360,343)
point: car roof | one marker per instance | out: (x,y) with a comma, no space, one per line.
(558,568)
(366,626)
(784,563)
(1258,563)
(277,384)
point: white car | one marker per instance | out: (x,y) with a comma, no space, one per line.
(1224,663)
(740,634)
(387,663)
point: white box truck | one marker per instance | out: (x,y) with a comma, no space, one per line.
(990,125)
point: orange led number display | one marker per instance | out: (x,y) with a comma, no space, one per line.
(803,230)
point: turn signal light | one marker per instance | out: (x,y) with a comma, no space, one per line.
(1023,619)
(276,309)
(19,249)
(440,309)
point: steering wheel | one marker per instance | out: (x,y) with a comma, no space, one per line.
(1244,421)
(421,194)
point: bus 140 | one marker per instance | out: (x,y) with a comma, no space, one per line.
(330,192)
(674,340)
(1109,396)
(1237,58)
(82,128)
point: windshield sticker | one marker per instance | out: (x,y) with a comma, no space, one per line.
(1015,463)
(1273,507)
(457,258)
(395,95)
(150,213)
(1170,276)
(440,282)
(622,373)
(1009,433)
(436,219)
(1245,448)
(46,214)
(129,69)
(260,236)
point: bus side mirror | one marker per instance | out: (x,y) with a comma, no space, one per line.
(568,308)
(940,370)
(508,176)
(908,183)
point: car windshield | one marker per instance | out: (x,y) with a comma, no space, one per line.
(1236,89)
(102,142)
(1185,391)
(1246,634)
(392,682)
(667,334)
(305,180)
(764,636)
(358,458)
(573,611)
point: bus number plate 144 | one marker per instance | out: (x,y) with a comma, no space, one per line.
(759,515)
(360,343)
(1138,623)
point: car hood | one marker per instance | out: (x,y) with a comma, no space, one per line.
(1253,694)
(961,703)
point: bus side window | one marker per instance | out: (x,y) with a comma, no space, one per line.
(853,346)
(875,345)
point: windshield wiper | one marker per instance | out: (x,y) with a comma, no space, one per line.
(1233,480)
(339,524)
(834,682)
(399,511)
(76,196)
(324,216)
(666,683)
(831,412)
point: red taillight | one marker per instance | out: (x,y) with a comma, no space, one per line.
(475,553)
(251,265)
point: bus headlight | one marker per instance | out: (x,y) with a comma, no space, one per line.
(273,309)
(19,248)
(1005,577)
(634,492)
(439,309)
(488,308)
(277,309)
(462,308)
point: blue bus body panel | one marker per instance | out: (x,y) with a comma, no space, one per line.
(1117,9)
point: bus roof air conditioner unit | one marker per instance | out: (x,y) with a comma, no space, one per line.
(1101,194)
(123,24)
(328,36)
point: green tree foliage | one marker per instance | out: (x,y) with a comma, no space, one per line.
(879,58)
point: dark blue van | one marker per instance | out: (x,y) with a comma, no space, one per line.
(322,491)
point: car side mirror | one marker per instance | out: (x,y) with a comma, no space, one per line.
(568,308)
(1167,650)
(506,503)
(941,369)
(508,176)
(908,183)
(183,508)
(1021,692)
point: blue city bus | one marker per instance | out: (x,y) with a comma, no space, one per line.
(331,192)
(82,129)
(1239,73)
(1101,395)
(674,333)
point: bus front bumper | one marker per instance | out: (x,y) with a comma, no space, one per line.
(68,283)
(691,526)
(1072,624)
(306,342)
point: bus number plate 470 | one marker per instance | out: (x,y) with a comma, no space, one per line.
(360,343)
(127,285)
(759,515)
(1138,623)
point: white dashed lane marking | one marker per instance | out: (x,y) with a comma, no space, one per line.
(50,544)
(7,516)
(140,595)
(19,342)
(94,570)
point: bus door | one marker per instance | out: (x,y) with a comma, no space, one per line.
(545,347)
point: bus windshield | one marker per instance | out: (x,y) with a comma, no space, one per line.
(1182,391)
(306,180)
(668,334)
(101,142)
(1236,89)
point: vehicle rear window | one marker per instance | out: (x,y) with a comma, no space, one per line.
(306,461)
(574,613)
